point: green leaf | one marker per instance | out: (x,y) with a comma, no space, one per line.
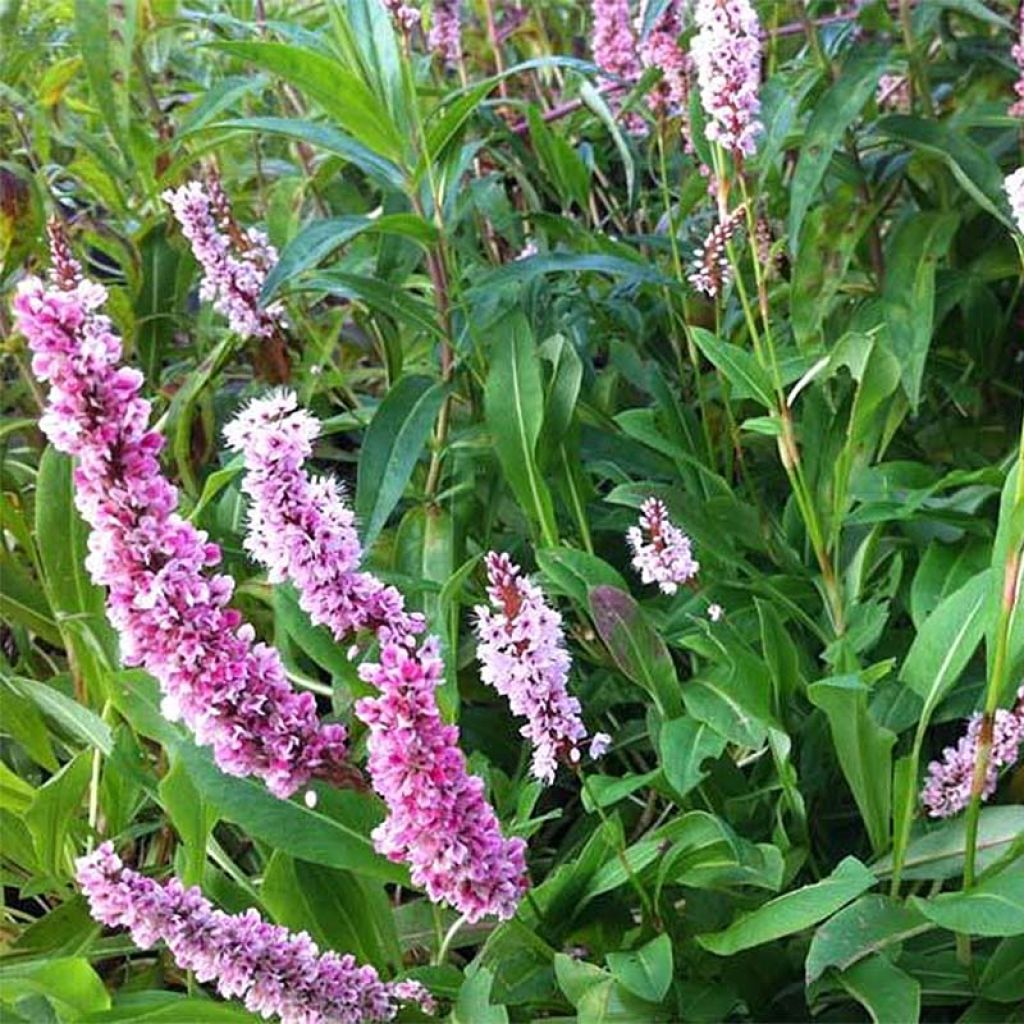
(391,448)
(948,639)
(156,299)
(573,573)
(863,928)
(514,405)
(379,170)
(474,1005)
(647,971)
(739,367)
(70,984)
(886,992)
(169,1008)
(685,744)
(974,168)
(916,246)
(20,719)
(22,601)
(1003,977)
(635,647)
(54,811)
(192,817)
(68,714)
(106,34)
(939,853)
(863,749)
(833,115)
(340,92)
(792,912)
(338,909)
(993,907)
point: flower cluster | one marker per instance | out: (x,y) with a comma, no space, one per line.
(522,655)
(726,52)
(172,615)
(439,821)
(661,551)
(710,272)
(445,37)
(893,93)
(275,971)
(235,262)
(661,50)
(614,44)
(1014,186)
(302,530)
(947,790)
(405,16)
(1017,110)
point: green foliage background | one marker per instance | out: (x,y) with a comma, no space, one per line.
(753,847)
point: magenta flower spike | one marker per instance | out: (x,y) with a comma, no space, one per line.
(445,37)
(301,529)
(171,613)
(726,52)
(661,551)
(947,789)
(439,821)
(522,654)
(661,50)
(235,262)
(275,972)
(614,44)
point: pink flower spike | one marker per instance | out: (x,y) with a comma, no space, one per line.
(947,789)
(274,971)
(727,55)
(439,821)
(235,265)
(302,530)
(522,654)
(661,551)
(614,44)
(445,37)
(661,50)
(171,613)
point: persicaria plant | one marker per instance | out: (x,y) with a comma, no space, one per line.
(512,512)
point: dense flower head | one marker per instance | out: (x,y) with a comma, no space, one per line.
(710,271)
(405,16)
(726,52)
(301,528)
(522,654)
(235,262)
(614,44)
(274,971)
(1017,109)
(947,789)
(1014,186)
(439,821)
(661,551)
(661,50)
(445,37)
(171,613)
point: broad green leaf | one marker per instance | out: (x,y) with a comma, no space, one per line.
(748,378)
(943,569)
(20,719)
(54,811)
(635,647)
(647,971)
(391,448)
(326,137)
(833,115)
(939,853)
(993,907)
(916,246)
(685,744)
(339,910)
(863,749)
(70,985)
(734,705)
(192,818)
(341,93)
(315,641)
(170,1008)
(574,573)
(865,927)
(474,1005)
(156,299)
(792,912)
(948,639)
(106,34)
(564,263)
(886,992)
(973,167)
(15,793)
(71,717)
(1003,977)
(514,404)
(22,601)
